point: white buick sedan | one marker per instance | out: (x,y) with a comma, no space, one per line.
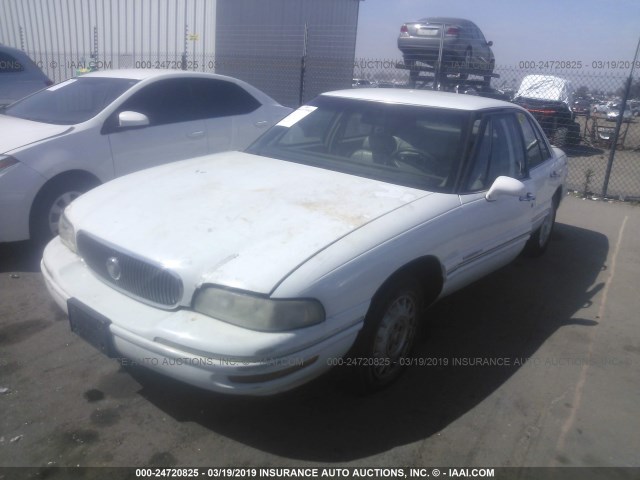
(65,139)
(253,272)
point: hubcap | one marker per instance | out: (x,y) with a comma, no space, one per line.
(58,207)
(395,335)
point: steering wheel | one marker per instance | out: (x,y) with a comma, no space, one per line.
(415,159)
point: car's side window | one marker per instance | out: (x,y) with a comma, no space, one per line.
(546,153)
(164,102)
(221,98)
(535,148)
(498,151)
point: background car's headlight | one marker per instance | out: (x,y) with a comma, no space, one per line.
(258,312)
(67,233)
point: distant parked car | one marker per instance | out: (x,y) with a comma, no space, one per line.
(549,99)
(360,83)
(60,142)
(634,105)
(320,245)
(581,107)
(464,46)
(614,112)
(602,107)
(19,75)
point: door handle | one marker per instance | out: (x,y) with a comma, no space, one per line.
(261,123)
(529,197)
(197,134)
(554,174)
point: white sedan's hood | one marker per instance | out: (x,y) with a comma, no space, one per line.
(233,219)
(16,132)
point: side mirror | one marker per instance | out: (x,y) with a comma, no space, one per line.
(506,186)
(129,119)
(490,43)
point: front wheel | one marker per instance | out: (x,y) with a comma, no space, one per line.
(49,205)
(388,335)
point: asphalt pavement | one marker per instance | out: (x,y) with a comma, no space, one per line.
(535,365)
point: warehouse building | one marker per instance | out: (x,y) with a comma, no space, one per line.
(291,49)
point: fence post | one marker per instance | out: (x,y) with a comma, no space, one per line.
(616,134)
(303,65)
(183,62)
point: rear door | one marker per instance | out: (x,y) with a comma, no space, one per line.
(483,56)
(233,117)
(545,170)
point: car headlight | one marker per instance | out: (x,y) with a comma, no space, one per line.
(6,162)
(258,312)
(67,233)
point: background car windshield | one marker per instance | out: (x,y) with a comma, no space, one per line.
(407,145)
(70,102)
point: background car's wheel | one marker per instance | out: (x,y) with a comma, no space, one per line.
(559,138)
(573,134)
(50,203)
(540,239)
(388,334)
(410,63)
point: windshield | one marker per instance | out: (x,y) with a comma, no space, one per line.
(74,101)
(408,145)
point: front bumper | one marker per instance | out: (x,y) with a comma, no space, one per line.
(192,347)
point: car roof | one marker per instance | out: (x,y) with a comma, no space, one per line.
(458,21)
(14,51)
(424,98)
(143,73)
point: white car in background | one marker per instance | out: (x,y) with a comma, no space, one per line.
(62,141)
(253,272)
(614,112)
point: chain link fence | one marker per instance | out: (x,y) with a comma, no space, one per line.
(578,110)
(580,106)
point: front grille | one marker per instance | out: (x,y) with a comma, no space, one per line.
(134,276)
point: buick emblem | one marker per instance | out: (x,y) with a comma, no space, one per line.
(113,267)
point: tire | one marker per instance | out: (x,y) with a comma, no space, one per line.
(411,64)
(540,239)
(388,335)
(573,136)
(560,137)
(50,203)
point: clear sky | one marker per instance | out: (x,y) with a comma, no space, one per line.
(521,30)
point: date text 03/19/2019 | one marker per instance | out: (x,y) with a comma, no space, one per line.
(313,472)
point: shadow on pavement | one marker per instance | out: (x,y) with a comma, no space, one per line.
(583,150)
(20,256)
(511,314)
